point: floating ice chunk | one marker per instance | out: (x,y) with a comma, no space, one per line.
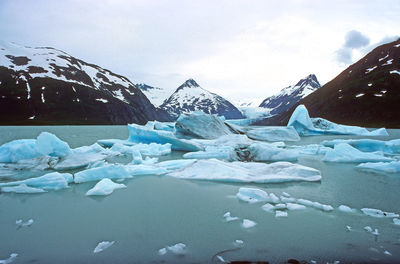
(272,133)
(368,145)
(317,205)
(252,195)
(381,167)
(167,126)
(22,188)
(12,257)
(105,187)
(95,174)
(281,214)
(218,152)
(313,149)
(175,164)
(368,229)
(280,206)
(268,207)
(387,253)
(103,246)
(286,194)
(38,163)
(149,161)
(238,243)
(201,125)
(215,170)
(229,218)
(295,206)
(396,221)
(21,223)
(178,249)
(142,134)
(152,149)
(378,213)
(162,251)
(287,199)
(266,152)
(20,149)
(50,181)
(307,126)
(348,228)
(343,152)
(221,259)
(346,209)
(142,169)
(111,142)
(49,144)
(248,223)
(375,232)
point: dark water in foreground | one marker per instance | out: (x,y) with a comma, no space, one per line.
(156,211)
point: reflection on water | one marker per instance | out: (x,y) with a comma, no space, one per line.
(155,211)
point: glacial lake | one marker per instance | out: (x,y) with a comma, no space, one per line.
(157,211)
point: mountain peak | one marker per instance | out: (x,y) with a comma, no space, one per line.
(311,79)
(190,83)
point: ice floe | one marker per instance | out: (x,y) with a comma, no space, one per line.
(105,187)
(381,167)
(396,221)
(200,125)
(272,133)
(307,126)
(216,170)
(22,188)
(346,209)
(20,223)
(378,213)
(368,145)
(317,205)
(295,206)
(16,150)
(229,218)
(50,181)
(110,171)
(281,213)
(266,152)
(177,249)
(11,259)
(248,223)
(103,246)
(343,152)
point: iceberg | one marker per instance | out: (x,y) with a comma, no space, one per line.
(229,218)
(382,167)
(142,134)
(105,187)
(317,205)
(178,249)
(99,173)
(271,133)
(346,209)
(200,125)
(267,152)
(396,221)
(222,153)
(307,126)
(162,251)
(49,144)
(253,195)
(50,181)
(295,206)
(12,257)
(20,223)
(20,149)
(103,246)
(171,165)
(152,149)
(368,145)
(268,207)
(248,223)
(378,213)
(167,126)
(142,169)
(281,214)
(22,188)
(238,243)
(215,170)
(343,152)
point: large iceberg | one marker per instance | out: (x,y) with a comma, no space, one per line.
(268,152)
(368,145)
(272,133)
(143,134)
(216,170)
(50,181)
(201,125)
(382,167)
(49,144)
(16,150)
(307,126)
(105,187)
(343,152)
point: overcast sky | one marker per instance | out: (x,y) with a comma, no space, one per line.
(238,49)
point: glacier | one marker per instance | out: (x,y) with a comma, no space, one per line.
(216,170)
(343,152)
(307,126)
(105,187)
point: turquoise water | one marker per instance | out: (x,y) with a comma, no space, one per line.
(156,211)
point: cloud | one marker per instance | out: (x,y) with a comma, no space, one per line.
(354,40)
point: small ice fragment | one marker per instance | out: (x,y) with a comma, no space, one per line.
(238,243)
(21,223)
(229,218)
(273,198)
(248,223)
(348,228)
(105,187)
(295,206)
(178,249)
(162,251)
(286,194)
(376,232)
(268,207)
(396,221)
(387,253)
(368,229)
(12,257)
(287,199)
(221,259)
(281,214)
(103,245)
(280,206)
(346,209)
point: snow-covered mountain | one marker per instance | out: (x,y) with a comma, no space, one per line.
(191,97)
(290,95)
(156,95)
(48,86)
